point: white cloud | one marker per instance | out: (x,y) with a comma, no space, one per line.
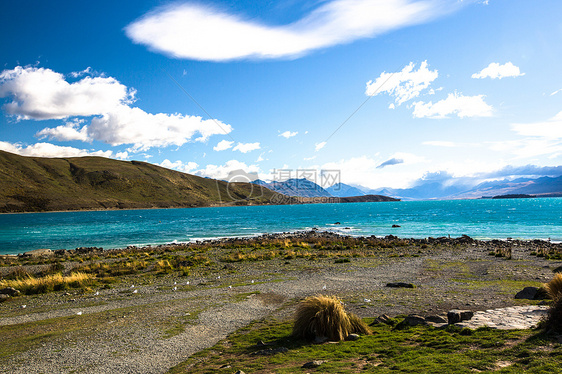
(52,150)
(42,94)
(319,146)
(288,134)
(495,70)
(404,85)
(551,129)
(540,138)
(203,33)
(555,92)
(222,171)
(223,145)
(455,103)
(128,125)
(246,147)
(179,165)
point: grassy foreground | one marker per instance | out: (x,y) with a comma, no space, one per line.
(398,348)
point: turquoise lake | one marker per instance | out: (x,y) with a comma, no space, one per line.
(537,218)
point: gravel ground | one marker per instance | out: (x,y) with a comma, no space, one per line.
(125,332)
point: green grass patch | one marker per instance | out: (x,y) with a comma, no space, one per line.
(404,349)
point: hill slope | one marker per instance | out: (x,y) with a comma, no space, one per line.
(32,184)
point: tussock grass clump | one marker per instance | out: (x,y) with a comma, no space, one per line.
(554,290)
(554,286)
(320,317)
(53,282)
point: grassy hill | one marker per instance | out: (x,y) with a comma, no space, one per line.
(34,184)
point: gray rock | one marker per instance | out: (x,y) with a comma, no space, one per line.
(313,364)
(528,293)
(435,319)
(239,372)
(352,337)
(400,285)
(456,315)
(39,253)
(382,319)
(9,291)
(4,297)
(414,320)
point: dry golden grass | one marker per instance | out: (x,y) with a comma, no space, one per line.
(32,285)
(322,316)
(554,287)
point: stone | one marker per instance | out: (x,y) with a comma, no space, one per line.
(527,293)
(435,319)
(415,320)
(456,315)
(10,291)
(400,285)
(352,337)
(382,319)
(395,226)
(4,297)
(239,372)
(43,252)
(313,364)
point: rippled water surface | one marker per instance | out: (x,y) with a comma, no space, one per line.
(538,218)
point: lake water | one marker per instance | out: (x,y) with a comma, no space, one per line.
(538,218)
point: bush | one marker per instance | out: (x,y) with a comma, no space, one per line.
(320,317)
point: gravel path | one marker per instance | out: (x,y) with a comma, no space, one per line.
(126,332)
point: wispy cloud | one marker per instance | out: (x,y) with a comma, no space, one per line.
(246,147)
(42,94)
(438,143)
(404,85)
(497,71)
(455,104)
(319,146)
(288,134)
(223,145)
(200,32)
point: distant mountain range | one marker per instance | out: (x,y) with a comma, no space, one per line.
(543,186)
(425,190)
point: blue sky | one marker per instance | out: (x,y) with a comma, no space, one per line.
(386,91)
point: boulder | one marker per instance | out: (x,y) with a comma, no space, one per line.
(382,319)
(414,320)
(43,252)
(400,285)
(435,319)
(4,297)
(527,293)
(456,315)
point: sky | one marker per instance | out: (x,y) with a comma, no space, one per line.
(387,93)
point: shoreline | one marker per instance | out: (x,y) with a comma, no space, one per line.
(301,235)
